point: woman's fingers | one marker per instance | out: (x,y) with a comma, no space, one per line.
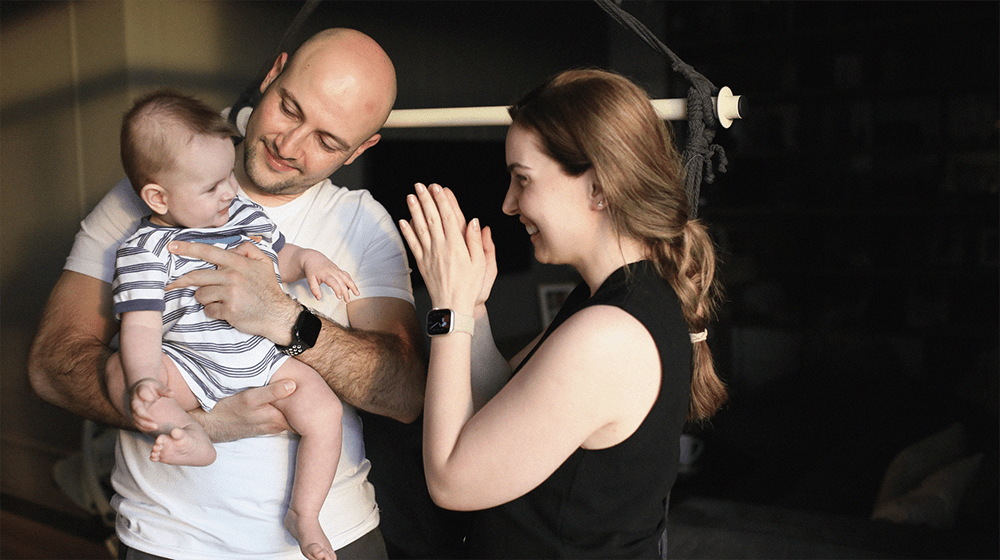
(434,214)
(490,272)
(437,224)
(450,215)
(453,202)
(448,252)
(416,234)
(406,228)
(433,220)
(474,241)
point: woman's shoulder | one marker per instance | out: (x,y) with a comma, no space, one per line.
(601,334)
(600,318)
(605,352)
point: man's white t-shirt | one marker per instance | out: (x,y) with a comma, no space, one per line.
(236,506)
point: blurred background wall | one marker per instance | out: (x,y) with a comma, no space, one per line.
(69,71)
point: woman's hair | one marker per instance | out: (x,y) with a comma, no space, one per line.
(599,120)
(157,125)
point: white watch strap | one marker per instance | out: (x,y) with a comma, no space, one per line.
(463,323)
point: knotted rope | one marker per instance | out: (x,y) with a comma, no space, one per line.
(699,149)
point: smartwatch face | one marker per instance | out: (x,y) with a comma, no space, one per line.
(438,322)
(308,326)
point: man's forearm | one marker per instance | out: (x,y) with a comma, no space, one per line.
(68,371)
(378,372)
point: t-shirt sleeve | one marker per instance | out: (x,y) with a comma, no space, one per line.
(384,270)
(139,281)
(279,243)
(110,223)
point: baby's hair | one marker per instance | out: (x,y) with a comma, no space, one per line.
(157,125)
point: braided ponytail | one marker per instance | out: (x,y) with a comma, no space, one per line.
(691,272)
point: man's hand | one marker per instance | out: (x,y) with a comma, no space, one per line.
(243,290)
(249,413)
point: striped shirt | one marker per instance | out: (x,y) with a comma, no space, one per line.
(215,359)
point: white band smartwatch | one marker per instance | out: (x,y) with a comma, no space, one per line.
(445,321)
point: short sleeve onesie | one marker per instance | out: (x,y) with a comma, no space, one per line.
(215,359)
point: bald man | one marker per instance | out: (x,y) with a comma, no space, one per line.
(320,109)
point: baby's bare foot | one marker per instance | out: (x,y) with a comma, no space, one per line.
(184,446)
(312,540)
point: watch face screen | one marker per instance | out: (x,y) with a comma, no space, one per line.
(308,327)
(439,321)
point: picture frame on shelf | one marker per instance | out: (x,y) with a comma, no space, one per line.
(551,297)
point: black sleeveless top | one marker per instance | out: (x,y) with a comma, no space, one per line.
(606,503)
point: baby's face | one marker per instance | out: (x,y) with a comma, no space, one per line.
(201,185)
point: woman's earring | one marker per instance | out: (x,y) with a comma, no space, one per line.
(600,204)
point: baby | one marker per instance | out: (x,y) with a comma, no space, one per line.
(178,154)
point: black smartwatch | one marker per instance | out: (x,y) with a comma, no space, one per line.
(445,321)
(304,333)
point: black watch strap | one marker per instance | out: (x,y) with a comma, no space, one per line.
(305,332)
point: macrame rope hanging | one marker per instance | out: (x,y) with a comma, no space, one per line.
(699,149)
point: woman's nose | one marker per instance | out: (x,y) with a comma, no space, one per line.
(510,202)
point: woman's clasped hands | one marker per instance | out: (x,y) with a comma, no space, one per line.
(456,260)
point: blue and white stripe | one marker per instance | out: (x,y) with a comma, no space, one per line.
(215,359)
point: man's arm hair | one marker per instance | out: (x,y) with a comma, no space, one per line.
(379,364)
(66,363)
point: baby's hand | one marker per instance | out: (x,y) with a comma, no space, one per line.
(337,279)
(320,270)
(145,393)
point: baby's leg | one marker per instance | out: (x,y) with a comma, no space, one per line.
(180,440)
(314,412)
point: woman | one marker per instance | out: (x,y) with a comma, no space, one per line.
(576,453)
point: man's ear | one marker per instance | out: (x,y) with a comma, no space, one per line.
(279,65)
(364,146)
(155,197)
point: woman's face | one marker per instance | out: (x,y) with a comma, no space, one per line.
(554,207)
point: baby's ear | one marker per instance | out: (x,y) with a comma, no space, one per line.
(155,196)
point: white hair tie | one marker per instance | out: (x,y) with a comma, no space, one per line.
(699,336)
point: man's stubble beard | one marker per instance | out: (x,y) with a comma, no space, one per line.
(288,186)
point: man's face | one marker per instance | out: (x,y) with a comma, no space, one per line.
(306,126)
